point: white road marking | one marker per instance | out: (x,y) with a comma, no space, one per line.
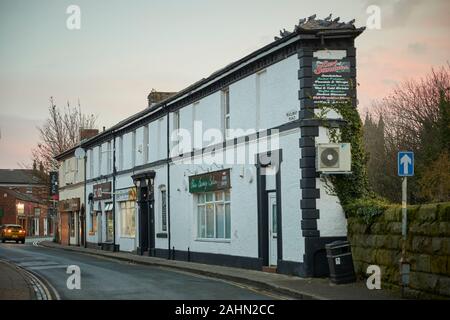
(57,266)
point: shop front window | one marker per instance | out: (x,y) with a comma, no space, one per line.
(72,224)
(94,217)
(214,215)
(128,219)
(109,226)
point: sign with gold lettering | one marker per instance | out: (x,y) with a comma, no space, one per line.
(211,181)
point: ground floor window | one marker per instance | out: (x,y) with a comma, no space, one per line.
(94,222)
(72,225)
(128,219)
(214,215)
(109,226)
(163,210)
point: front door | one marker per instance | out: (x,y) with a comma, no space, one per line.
(272,206)
(143,220)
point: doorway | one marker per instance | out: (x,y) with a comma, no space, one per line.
(145,190)
(143,220)
(273,239)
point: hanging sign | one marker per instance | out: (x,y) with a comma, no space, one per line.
(102,191)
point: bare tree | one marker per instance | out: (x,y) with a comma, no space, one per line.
(415,118)
(60,132)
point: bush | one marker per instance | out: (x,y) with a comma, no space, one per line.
(366,209)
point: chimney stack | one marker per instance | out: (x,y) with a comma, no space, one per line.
(87,133)
(155,97)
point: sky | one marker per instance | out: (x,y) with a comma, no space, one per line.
(123,49)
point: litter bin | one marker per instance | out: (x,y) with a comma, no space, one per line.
(340,262)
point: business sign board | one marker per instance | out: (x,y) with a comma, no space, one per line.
(69,205)
(211,181)
(54,191)
(331,78)
(126,194)
(102,191)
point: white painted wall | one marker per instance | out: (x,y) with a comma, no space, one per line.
(293,244)
(332,221)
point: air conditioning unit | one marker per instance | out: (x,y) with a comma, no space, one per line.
(333,158)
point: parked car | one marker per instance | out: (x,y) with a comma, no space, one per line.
(12,232)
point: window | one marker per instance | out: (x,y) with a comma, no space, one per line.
(94,222)
(133,149)
(72,225)
(109,157)
(128,219)
(91,163)
(163,209)
(176,126)
(37,212)
(226,112)
(214,216)
(146,144)
(120,153)
(99,160)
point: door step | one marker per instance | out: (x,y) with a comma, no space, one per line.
(271,269)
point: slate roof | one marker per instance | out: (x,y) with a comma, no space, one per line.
(19,195)
(19,177)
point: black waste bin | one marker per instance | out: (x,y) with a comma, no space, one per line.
(340,262)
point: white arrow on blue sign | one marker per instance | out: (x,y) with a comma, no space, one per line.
(405,163)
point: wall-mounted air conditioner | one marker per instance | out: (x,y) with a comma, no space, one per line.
(333,158)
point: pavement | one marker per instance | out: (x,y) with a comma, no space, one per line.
(14,285)
(290,286)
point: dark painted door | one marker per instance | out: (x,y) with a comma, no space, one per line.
(143,220)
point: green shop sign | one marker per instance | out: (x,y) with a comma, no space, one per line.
(211,181)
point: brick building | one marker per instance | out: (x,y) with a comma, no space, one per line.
(24,200)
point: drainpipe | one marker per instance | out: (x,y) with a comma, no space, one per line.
(84,196)
(168,183)
(114,191)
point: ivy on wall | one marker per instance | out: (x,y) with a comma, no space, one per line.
(353,190)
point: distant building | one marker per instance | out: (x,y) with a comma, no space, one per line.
(71,206)
(24,201)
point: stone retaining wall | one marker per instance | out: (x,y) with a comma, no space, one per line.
(427,248)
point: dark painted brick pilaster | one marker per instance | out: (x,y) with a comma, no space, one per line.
(310,233)
(308,162)
(310,214)
(310,193)
(308,183)
(308,204)
(309,224)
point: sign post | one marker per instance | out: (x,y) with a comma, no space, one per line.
(405,166)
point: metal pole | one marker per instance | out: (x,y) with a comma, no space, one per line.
(404,265)
(404,211)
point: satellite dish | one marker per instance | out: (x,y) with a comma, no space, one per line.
(80,153)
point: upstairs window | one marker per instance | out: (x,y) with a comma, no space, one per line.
(109,157)
(133,149)
(146,144)
(226,112)
(99,160)
(120,165)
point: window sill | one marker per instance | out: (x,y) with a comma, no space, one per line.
(213,240)
(128,237)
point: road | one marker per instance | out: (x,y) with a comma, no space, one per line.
(103,278)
